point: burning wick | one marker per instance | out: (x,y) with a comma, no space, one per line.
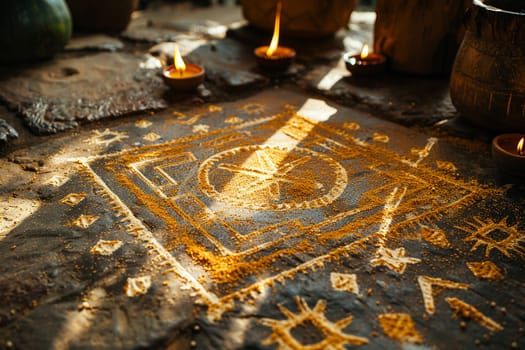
(520,148)
(274,44)
(180,66)
(364,52)
(275,58)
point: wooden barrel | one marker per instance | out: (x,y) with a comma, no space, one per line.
(487,84)
(419,36)
(300,18)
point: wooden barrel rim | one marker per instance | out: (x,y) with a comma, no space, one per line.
(492,23)
(481,3)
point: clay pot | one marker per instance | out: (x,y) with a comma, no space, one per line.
(300,18)
(419,36)
(488,78)
(101,15)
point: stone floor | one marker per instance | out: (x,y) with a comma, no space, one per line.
(309,210)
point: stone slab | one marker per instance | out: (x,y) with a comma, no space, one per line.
(94,42)
(7,132)
(281,220)
(407,100)
(176,21)
(60,94)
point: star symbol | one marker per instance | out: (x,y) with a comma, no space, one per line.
(106,137)
(333,335)
(201,128)
(394,259)
(510,240)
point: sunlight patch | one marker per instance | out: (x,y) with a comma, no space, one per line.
(14,211)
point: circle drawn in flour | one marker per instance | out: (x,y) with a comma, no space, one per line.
(272,178)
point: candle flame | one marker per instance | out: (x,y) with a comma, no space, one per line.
(178,61)
(275,38)
(520,148)
(364,52)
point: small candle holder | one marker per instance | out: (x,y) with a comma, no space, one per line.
(279,61)
(506,155)
(373,63)
(187,80)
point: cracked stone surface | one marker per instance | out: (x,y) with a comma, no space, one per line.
(94,42)
(59,95)
(7,131)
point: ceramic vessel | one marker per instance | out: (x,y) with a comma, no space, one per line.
(419,36)
(101,15)
(300,18)
(186,83)
(487,84)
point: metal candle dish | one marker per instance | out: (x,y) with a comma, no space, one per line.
(506,155)
(188,80)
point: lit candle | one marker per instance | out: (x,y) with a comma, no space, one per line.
(365,63)
(508,151)
(182,76)
(275,58)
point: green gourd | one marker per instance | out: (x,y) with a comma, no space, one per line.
(32,30)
